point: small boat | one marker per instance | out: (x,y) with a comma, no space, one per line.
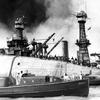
(42,86)
(94,79)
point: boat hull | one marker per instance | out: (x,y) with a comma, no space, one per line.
(75,88)
(94,79)
(94,82)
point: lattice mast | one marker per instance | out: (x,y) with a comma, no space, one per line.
(83,42)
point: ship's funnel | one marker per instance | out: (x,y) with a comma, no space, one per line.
(61,50)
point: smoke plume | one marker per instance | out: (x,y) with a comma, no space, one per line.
(33,10)
(59,8)
(42,17)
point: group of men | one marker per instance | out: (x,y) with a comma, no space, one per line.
(66,77)
(20,75)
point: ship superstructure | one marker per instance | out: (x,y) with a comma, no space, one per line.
(83,42)
(18,44)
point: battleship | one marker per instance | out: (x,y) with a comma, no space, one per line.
(28,71)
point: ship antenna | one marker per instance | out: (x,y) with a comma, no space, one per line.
(83,6)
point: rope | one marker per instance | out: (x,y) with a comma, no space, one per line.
(12,65)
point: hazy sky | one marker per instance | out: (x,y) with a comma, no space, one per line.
(94,14)
(93,11)
(65,25)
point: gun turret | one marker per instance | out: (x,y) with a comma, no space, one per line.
(43,44)
(55,46)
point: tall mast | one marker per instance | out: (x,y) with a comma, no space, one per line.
(83,42)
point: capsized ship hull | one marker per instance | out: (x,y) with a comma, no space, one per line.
(74,88)
(38,66)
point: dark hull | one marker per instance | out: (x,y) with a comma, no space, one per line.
(76,88)
(94,82)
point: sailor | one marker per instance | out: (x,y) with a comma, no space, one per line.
(72,77)
(80,76)
(21,73)
(18,79)
(66,77)
(19,76)
(47,78)
(90,72)
(30,47)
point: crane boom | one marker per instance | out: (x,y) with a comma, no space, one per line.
(43,44)
(55,46)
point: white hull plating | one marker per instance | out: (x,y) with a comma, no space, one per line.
(38,66)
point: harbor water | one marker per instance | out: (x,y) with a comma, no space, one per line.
(94,94)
